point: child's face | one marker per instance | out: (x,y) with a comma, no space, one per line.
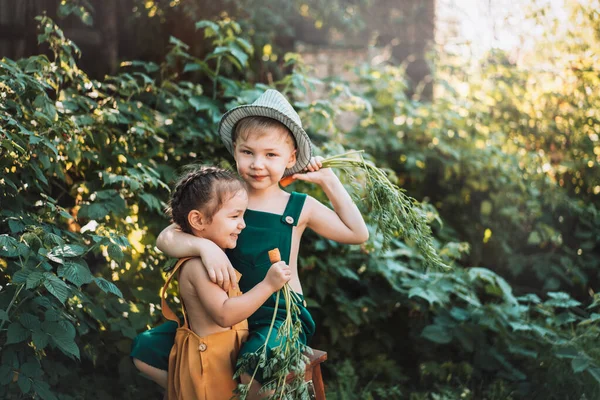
(262,157)
(228,222)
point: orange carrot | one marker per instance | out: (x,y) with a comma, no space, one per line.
(274,256)
(288,180)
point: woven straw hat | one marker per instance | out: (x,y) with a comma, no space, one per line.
(270,104)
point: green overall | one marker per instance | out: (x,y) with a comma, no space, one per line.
(264,231)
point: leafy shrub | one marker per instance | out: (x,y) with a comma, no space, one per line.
(86,166)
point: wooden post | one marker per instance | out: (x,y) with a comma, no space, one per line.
(109,29)
(407,27)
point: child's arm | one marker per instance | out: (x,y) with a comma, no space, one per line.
(175,243)
(227,311)
(344,223)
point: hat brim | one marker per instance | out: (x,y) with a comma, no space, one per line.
(233,116)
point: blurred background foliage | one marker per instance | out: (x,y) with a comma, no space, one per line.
(504,157)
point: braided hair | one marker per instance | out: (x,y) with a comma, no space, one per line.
(204,189)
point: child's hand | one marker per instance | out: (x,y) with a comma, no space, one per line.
(316,174)
(278,275)
(218,266)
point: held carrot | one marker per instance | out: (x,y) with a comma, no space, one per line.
(274,256)
(288,180)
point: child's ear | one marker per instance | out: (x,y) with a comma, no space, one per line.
(292,160)
(196,220)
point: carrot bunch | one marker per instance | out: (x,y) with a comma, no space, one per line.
(395,213)
(288,357)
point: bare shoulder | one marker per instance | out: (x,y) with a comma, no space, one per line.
(310,205)
(193,270)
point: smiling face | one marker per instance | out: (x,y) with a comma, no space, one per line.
(226,224)
(263,154)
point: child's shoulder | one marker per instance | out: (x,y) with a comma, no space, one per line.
(193,269)
(309,207)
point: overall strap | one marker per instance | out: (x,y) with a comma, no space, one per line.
(166,310)
(235,293)
(292,212)
(231,292)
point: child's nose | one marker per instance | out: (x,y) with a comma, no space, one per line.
(241,225)
(257,163)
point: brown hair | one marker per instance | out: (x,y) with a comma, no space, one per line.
(258,123)
(204,189)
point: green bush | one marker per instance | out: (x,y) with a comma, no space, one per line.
(502,166)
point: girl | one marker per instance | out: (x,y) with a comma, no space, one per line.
(209,203)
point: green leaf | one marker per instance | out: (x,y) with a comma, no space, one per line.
(62,334)
(56,287)
(115,252)
(8,246)
(6,374)
(516,374)
(68,251)
(595,373)
(149,67)
(12,146)
(40,339)
(93,211)
(53,240)
(239,54)
(42,301)
(16,333)
(561,300)
(517,349)
(51,256)
(520,326)
(564,318)
(24,383)
(29,321)
(43,390)
(52,315)
(195,66)
(534,238)
(32,369)
(65,214)
(428,295)
(245,45)
(530,297)
(566,352)
(460,314)
(4,316)
(39,174)
(152,201)
(579,364)
(108,287)
(34,279)
(437,334)
(174,41)
(15,226)
(208,24)
(121,240)
(75,272)
(348,273)
(21,276)
(201,103)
